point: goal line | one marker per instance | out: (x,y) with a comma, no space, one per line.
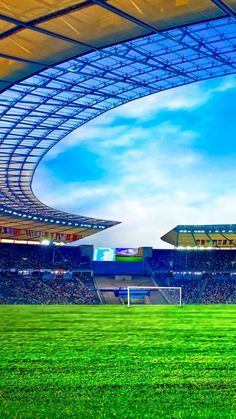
(133,291)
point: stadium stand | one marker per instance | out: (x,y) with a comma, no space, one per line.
(32,274)
(123,281)
(14,289)
(13,256)
(206,277)
(184,260)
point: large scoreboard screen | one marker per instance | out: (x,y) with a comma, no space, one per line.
(104,254)
(129,254)
(119,254)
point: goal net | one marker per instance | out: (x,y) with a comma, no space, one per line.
(154,295)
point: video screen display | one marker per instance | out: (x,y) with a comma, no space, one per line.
(129,254)
(104,254)
(127,251)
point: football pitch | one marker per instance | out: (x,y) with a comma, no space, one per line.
(111,361)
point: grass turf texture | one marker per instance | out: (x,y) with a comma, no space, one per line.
(107,361)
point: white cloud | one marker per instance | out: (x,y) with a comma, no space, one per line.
(146,220)
(155,177)
(184,98)
(187,97)
(181,98)
(152,192)
(226,83)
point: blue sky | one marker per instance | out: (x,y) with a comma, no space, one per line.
(154,163)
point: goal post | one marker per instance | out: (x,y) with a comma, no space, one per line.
(154,295)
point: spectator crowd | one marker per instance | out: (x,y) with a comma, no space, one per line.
(206,277)
(25,256)
(15,289)
(31,274)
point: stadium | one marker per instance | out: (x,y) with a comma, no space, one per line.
(97,331)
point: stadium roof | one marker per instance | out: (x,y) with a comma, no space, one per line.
(37,34)
(64,63)
(204,236)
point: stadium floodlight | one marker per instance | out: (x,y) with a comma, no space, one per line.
(154,295)
(45,242)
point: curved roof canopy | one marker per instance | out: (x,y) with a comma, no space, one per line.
(80,70)
(36,34)
(203,236)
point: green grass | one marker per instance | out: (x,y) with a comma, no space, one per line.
(129,258)
(111,361)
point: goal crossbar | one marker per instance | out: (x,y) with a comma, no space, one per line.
(152,288)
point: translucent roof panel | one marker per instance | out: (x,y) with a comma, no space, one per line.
(231,4)
(5,26)
(33,46)
(164,14)
(49,31)
(26,10)
(11,70)
(95,26)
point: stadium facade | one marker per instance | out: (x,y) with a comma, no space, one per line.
(63,65)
